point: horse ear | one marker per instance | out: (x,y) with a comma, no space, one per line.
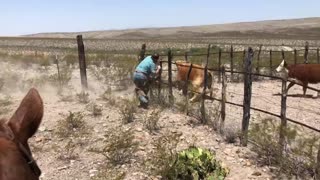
(27,118)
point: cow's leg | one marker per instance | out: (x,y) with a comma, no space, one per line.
(305,84)
(196,94)
(290,85)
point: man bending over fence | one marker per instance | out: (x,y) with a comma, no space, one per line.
(145,72)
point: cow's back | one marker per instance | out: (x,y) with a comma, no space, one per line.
(197,72)
(305,72)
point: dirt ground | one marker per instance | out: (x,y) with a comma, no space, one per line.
(47,148)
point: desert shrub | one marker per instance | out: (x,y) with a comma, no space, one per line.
(67,152)
(83,97)
(151,120)
(127,110)
(63,79)
(231,134)
(95,109)
(71,59)
(72,126)
(110,173)
(119,147)
(1,83)
(4,103)
(163,155)
(107,96)
(299,155)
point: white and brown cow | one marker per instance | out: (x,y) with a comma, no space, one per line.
(301,74)
(196,78)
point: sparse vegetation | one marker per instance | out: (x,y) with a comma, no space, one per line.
(68,153)
(151,120)
(4,103)
(83,97)
(72,126)
(119,147)
(231,134)
(127,110)
(298,158)
(192,163)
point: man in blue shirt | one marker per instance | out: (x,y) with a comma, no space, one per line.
(146,71)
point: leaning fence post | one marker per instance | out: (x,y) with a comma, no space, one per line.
(243,59)
(202,108)
(270,62)
(247,97)
(160,82)
(317,169)
(219,65)
(318,58)
(231,61)
(170,76)
(186,90)
(258,59)
(295,56)
(82,62)
(223,99)
(283,125)
(142,52)
(282,54)
(59,76)
(306,51)
(186,56)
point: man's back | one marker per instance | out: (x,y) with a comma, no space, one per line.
(147,66)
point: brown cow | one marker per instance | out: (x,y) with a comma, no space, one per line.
(196,77)
(16,161)
(301,74)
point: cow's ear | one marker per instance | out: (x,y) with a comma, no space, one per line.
(27,118)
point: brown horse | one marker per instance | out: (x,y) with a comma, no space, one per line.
(16,161)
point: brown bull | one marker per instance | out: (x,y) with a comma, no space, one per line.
(196,77)
(16,161)
(301,74)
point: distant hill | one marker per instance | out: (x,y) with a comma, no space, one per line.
(306,28)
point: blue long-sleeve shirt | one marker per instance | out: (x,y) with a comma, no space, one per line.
(147,66)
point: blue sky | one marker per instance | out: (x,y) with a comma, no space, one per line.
(19,17)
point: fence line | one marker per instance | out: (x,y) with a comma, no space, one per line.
(247,71)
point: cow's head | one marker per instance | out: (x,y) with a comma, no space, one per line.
(282,67)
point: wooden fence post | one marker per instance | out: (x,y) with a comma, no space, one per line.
(160,82)
(283,125)
(186,56)
(258,60)
(317,169)
(295,56)
(223,99)
(282,54)
(208,52)
(202,108)
(82,62)
(306,51)
(270,62)
(170,76)
(231,62)
(318,58)
(243,60)
(142,52)
(219,64)
(59,76)
(247,96)
(185,89)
